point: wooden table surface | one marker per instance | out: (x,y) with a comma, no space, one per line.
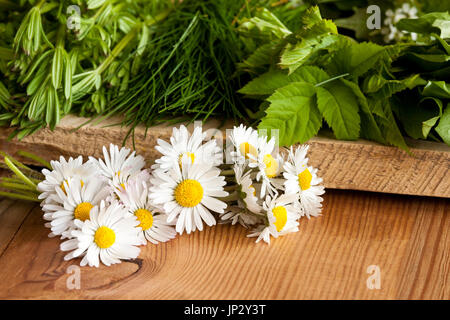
(408,238)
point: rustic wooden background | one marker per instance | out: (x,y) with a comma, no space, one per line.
(407,237)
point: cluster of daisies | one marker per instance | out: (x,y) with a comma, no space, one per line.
(105,209)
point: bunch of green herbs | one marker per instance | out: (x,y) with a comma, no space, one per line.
(312,76)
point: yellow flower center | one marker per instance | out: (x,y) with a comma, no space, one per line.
(104,237)
(280,214)
(188,193)
(64,189)
(145,218)
(271,166)
(188,155)
(304,179)
(82,210)
(246,148)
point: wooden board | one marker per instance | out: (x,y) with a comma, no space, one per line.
(408,238)
(355,165)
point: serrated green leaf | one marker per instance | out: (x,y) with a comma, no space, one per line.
(265,25)
(339,107)
(369,127)
(392,87)
(388,125)
(443,128)
(430,123)
(295,55)
(262,56)
(294,113)
(267,83)
(357,58)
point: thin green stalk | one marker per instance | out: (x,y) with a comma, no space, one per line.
(36,158)
(231,197)
(18,186)
(332,79)
(19,196)
(16,162)
(230,188)
(229,172)
(19,173)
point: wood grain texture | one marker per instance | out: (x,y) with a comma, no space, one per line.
(407,237)
(355,165)
(12,215)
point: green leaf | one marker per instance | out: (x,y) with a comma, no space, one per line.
(67,76)
(356,58)
(388,125)
(356,22)
(369,127)
(412,116)
(339,107)
(295,55)
(436,89)
(430,123)
(392,87)
(373,83)
(57,66)
(267,83)
(443,128)
(262,56)
(294,113)
(435,22)
(265,25)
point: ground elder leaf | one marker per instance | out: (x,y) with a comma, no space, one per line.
(339,107)
(294,113)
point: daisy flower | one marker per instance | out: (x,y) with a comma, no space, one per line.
(246,190)
(189,193)
(153,223)
(245,141)
(62,171)
(73,200)
(186,148)
(268,166)
(248,208)
(118,164)
(302,179)
(110,235)
(281,218)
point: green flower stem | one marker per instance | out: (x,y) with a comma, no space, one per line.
(229,172)
(19,196)
(16,162)
(117,50)
(35,158)
(230,188)
(17,186)
(19,173)
(231,197)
